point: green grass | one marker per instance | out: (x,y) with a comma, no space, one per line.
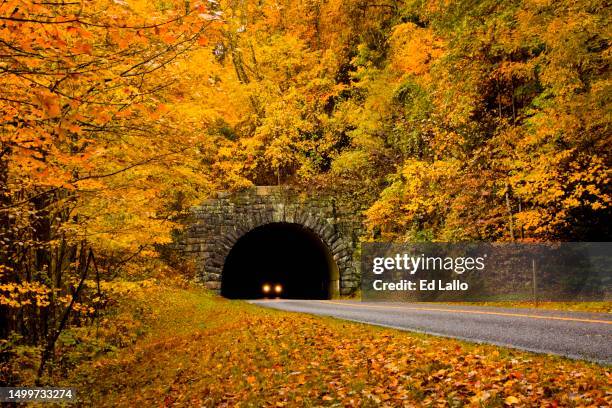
(593,307)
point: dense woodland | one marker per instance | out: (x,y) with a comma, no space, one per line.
(441,120)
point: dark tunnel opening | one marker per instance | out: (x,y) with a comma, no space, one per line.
(284,254)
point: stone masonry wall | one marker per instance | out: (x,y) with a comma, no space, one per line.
(219,222)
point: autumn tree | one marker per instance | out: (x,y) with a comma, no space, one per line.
(449,122)
(89,150)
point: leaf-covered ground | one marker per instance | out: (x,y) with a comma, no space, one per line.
(201,350)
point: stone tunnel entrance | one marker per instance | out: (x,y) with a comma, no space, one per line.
(304,241)
(285,260)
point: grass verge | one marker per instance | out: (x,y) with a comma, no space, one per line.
(582,306)
(591,307)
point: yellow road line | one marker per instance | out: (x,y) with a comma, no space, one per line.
(483,312)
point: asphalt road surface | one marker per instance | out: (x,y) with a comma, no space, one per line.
(576,335)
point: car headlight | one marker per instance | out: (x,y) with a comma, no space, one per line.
(278,288)
(266,288)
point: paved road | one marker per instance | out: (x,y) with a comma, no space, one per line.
(572,334)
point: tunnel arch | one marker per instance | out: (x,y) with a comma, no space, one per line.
(280,253)
(213,227)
